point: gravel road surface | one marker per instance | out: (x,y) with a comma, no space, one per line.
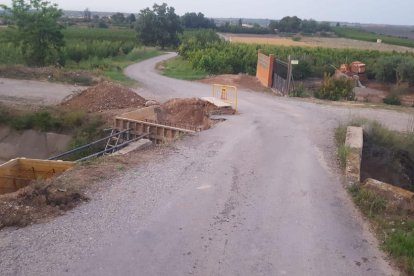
(34,92)
(259,194)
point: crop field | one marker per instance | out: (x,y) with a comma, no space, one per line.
(360,34)
(84,46)
(313,42)
(398,31)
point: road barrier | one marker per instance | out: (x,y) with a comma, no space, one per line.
(226,93)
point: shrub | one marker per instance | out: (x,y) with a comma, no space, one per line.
(392,99)
(41,120)
(336,89)
(299,91)
(302,71)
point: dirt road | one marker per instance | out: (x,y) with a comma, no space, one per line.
(29,92)
(259,194)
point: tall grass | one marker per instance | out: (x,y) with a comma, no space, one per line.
(394,226)
(181,69)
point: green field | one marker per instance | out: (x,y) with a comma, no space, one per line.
(181,69)
(372,37)
(105,51)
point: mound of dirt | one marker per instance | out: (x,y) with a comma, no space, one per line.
(35,203)
(240,81)
(105,96)
(191,112)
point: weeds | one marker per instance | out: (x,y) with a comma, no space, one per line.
(340,131)
(392,99)
(335,89)
(343,152)
(182,69)
(370,203)
(395,141)
(83,127)
(394,226)
(299,91)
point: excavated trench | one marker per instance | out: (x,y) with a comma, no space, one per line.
(386,164)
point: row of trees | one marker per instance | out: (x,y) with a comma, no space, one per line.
(36,30)
(293,24)
(220,57)
(117,18)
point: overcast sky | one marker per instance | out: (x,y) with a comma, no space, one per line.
(397,12)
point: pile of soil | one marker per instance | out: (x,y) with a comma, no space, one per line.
(105,96)
(187,112)
(241,81)
(35,203)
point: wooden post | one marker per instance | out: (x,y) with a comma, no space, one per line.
(289,75)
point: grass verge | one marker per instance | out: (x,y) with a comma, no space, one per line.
(113,68)
(394,227)
(179,68)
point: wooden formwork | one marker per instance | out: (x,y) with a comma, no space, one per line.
(142,121)
(18,173)
(158,133)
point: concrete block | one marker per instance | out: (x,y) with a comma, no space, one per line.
(140,144)
(354,141)
(396,196)
(354,138)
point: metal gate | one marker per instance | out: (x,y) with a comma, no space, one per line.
(282,76)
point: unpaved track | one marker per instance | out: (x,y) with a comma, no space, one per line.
(30,92)
(259,194)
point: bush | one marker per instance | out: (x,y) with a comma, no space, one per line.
(302,71)
(41,120)
(299,91)
(392,99)
(336,89)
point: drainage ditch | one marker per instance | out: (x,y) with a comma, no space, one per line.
(386,164)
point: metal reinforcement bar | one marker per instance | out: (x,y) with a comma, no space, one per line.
(111,149)
(88,145)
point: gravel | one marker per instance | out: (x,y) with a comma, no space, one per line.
(259,194)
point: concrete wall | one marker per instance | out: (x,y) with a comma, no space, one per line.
(264,70)
(30,144)
(354,142)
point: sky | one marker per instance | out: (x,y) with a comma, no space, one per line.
(395,12)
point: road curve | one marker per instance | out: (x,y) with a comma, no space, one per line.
(259,194)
